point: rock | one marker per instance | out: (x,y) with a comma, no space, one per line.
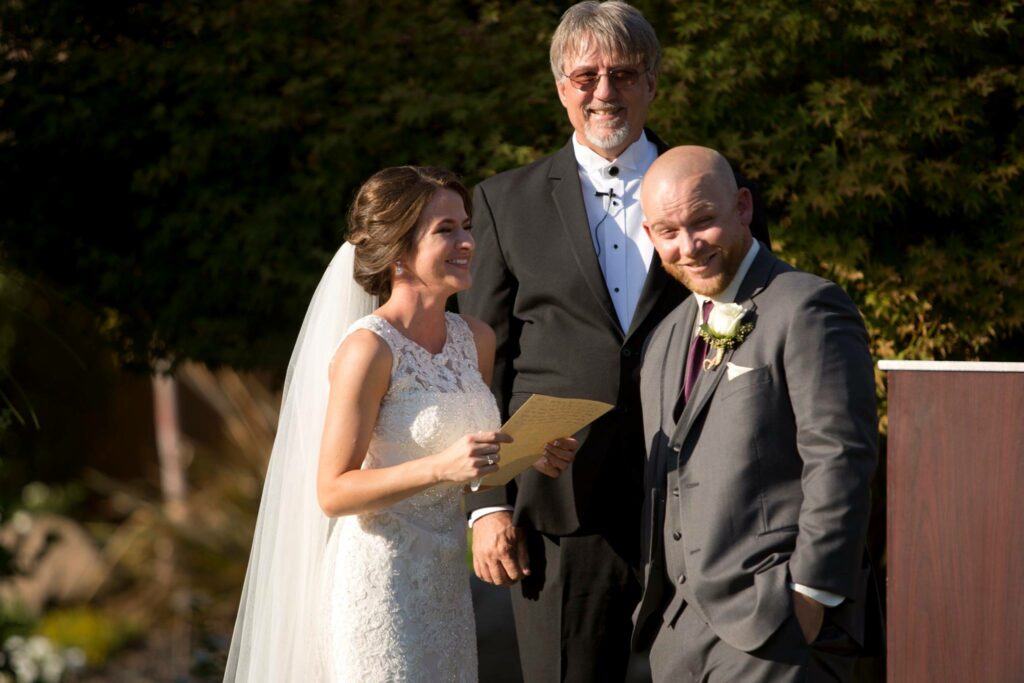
(59,560)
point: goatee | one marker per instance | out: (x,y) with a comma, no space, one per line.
(613,137)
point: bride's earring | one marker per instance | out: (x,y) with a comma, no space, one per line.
(398,268)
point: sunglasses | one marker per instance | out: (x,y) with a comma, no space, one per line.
(622,78)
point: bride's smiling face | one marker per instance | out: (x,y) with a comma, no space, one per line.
(440,258)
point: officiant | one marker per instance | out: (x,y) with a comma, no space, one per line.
(570,284)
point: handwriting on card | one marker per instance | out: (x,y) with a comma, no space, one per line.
(538,421)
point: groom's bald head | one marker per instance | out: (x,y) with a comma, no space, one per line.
(679,164)
(697,218)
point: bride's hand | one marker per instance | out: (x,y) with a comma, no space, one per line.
(471,457)
(558,455)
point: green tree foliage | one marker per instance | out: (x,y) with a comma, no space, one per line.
(887,137)
(184,168)
(10,390)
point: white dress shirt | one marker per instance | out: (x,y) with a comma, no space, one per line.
(611,195)
(728,295)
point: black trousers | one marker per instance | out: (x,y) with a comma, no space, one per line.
(574,612)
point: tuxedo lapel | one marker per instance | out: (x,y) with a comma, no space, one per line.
(657,280)
(659,144)
(568,198)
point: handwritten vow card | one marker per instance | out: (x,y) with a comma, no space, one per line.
(540,420)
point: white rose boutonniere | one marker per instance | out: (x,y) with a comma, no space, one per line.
(723,330)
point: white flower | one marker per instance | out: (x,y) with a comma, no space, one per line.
(34,660)
(724,329)
(22,522)
(75,658)
(52,668)
(25,669)
(38,647)
(725,319)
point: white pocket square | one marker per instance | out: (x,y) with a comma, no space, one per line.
(732,371)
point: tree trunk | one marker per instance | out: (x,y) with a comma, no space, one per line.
(171,453)
(169,444)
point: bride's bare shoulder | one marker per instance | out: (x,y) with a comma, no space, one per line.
(362,356)
(482,332)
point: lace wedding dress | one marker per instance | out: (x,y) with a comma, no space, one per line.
(398,601)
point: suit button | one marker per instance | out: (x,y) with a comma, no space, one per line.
(682,578)
(676,535)
(675,492)
(627,352)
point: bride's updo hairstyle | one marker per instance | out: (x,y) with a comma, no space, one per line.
(383,217)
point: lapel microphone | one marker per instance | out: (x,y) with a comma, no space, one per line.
(610,194)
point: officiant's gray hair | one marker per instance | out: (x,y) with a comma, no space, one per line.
(617,28)
(383,218)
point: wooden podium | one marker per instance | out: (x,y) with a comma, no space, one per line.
(955,505)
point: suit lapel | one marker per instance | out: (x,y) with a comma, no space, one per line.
(702,391)
(568,198)
(666,357)
(753,284)
(675,361)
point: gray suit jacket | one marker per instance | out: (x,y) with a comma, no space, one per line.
(773,466)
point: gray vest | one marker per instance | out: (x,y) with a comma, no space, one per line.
(675,544)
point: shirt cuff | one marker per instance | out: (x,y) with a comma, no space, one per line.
(482,512)
(824,597)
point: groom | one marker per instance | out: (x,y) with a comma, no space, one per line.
(761,442)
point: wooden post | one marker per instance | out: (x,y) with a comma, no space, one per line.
(955,507)
(171,453)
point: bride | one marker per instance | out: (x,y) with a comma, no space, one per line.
(358,566)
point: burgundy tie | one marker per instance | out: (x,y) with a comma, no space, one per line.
(698,350)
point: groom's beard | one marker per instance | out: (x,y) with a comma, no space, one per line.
(731,256)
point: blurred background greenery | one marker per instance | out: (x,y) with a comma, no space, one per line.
(174,179)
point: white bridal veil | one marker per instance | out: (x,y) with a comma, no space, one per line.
(279,627)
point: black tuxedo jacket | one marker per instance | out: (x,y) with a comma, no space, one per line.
(537,282)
